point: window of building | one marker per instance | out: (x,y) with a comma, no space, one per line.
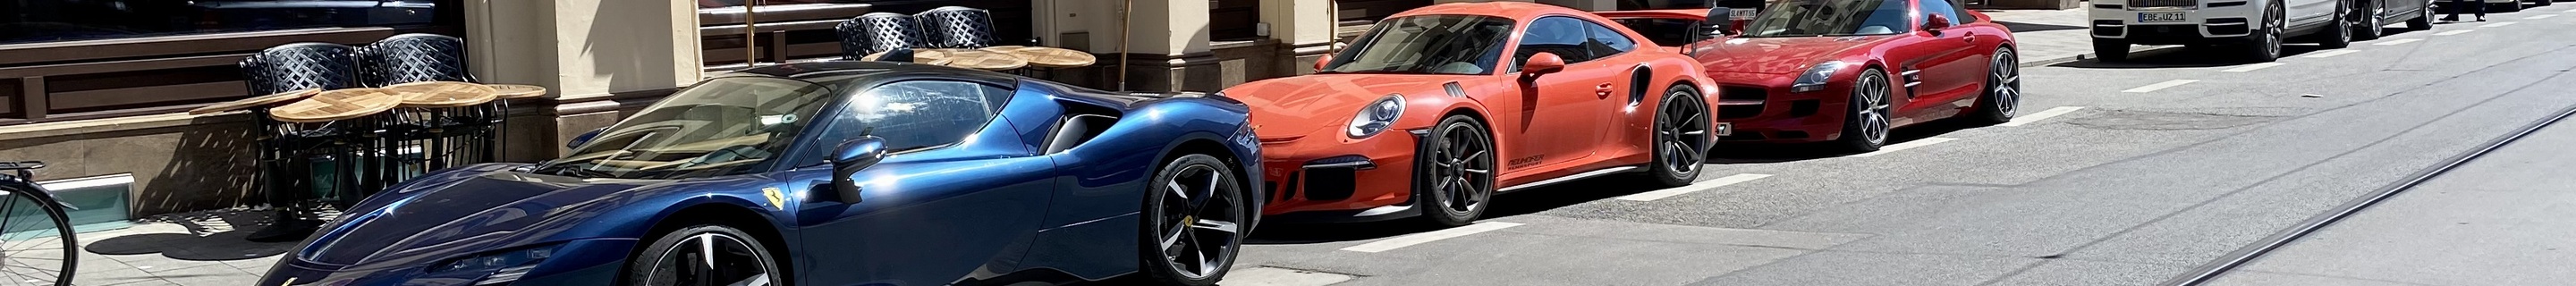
(30,21)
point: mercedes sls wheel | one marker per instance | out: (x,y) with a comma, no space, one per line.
(1195,221)
(1866,128)
(2002,98)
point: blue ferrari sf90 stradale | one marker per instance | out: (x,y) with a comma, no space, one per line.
(833,173)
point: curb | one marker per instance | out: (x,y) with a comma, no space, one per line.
(2133,53)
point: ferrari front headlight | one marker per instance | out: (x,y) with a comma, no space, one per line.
(1816,77)
(1376,117)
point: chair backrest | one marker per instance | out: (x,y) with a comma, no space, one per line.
(301,66)
(878,32)
(408,58)
(957,27)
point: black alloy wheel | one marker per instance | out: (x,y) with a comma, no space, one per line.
(2002,99)
(1681,137)
(2424,18)
(2371,22)
(2339,34)
(1457,173)
(2267,40)
(1196,221)
(1866,129)
(705,254)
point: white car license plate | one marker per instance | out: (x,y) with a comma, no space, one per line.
(2160,17)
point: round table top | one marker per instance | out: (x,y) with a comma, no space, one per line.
(434,94)
(247,103)
(337,105)
(517,91)
(919,56)
(983,60)
(1049,57)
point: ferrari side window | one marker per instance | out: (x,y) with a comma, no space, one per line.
(915,114)
(1562,36)
(1607,42)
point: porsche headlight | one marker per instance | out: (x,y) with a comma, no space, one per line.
(1816,77)
(1376,117)
(505,266)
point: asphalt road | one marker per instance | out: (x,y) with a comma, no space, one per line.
(2152,169)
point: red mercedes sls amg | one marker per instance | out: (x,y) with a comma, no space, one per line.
(1846,71)
(1438,108)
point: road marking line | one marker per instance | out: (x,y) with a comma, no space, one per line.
(2041,115)
(2542,16)
(2161,85)
(1420,238)
(1273,276)
(2497,24)
(2329,54)
(2453,32)
(2252,67)
(2397,42)
(1693,187)
(1907,145)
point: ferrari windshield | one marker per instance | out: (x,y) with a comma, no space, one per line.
(1437,44)
(720,127)
(1808,18)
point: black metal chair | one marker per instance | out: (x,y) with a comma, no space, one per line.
(301,66)
(878,32)
(956,27)
(409,58)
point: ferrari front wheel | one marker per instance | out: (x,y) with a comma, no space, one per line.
(1866,128)
(1457,172)
(706,254)
(1195,221)
(1681,138)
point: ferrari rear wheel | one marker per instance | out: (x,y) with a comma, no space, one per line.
(1195,221)
(1866,128)
(705,254)
(1457,173)
(2003,90)
(1681,137)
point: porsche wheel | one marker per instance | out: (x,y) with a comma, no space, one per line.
(1681,138)
(1195,221)
(1457,173)
(705,254)
(2002,98)
(1866,128)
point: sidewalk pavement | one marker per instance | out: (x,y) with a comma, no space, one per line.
(190,249)
(2050,37)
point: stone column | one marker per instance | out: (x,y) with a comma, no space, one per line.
(584,51)
(1304,29)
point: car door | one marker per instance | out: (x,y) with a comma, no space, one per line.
(941,207)
(2309,12)
(1558,109)
(1943,67)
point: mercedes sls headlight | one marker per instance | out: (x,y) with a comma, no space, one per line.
(1816,77)
(1376,117)
(504,266)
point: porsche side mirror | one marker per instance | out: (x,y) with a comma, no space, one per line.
(1543,63)
(584,138)
(1720,20)
(1935,23)
(1320,61)
(848,159)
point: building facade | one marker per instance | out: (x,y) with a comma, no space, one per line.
(97,88)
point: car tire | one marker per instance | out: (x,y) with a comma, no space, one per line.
(2370,25)
(1866,125)
(2266,46)
(2338,33)
(1456,172)
(1194,221)
(1681,137)
(2002,97)
(2110,51)
(2424,20)
(665,261)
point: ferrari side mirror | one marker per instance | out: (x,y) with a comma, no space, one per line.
(848,159)
(584,138)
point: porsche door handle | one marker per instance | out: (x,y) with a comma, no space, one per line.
(1603,90)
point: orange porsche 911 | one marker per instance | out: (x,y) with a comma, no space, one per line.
(1438,108)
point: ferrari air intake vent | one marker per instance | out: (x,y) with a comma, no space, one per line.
(1080,124)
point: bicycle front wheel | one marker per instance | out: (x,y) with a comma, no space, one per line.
(36,244)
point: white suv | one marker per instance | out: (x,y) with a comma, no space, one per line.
(2257,26)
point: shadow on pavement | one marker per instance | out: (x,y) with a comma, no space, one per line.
(1758,153)
(210,238)
(2188,57)
(2019,27)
